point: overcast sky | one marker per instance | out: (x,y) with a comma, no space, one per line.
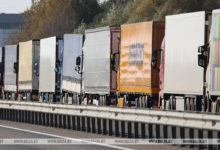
(14,6)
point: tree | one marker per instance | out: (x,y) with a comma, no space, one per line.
(56,17)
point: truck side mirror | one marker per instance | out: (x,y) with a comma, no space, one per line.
(36,69)
(201,61)
(203,56)
(154,59)
(78,60)
(113,61)
(16,67)
(78,63)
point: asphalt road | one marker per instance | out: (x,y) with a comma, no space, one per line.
(7,132)
(14,130)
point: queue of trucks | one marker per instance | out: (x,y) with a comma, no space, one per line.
(171,65)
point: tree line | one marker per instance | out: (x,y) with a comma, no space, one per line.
(47,18)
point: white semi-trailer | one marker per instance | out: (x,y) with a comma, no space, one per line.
(50,69)
(11,72)
(183,78)
(28,74)
(100,64)
(71,77)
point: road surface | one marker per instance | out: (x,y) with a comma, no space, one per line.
(14,130)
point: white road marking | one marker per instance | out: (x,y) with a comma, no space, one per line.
(57,136)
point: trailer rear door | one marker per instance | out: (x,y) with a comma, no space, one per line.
(10,78)
(184,34)
(96,74)
(47,64)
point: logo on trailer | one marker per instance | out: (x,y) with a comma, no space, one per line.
(136,54)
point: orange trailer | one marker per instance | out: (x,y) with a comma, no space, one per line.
(138,82)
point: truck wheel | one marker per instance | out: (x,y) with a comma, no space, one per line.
(171,103)
(19,97)
(51,98)
(40,98)
(13,96)
(140,101)
(79,99)
(65,98)
(28,97)
(125,100)
(100,101)
(137,104)
(145,101)
(104,101)
(163,104)
(191,104)
(213,107)
(70,99)
(187,104)
(167,105)
(74,99)
(194,104)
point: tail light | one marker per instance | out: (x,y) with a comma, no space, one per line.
(17,94)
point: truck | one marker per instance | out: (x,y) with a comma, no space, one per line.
(138,80)
(28,74)
(100,62)
(50,69)
(11,72)
(2,60)
(208,60)
(71,76)
(181,79)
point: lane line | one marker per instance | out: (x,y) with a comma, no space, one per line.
(58,136)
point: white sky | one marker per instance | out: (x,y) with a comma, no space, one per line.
(14,6)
